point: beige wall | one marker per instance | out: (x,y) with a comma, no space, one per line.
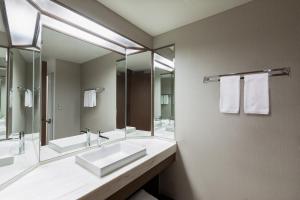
(105,16)
(100,72)
(236,157)
(67,99)
(3,39)
(18,109)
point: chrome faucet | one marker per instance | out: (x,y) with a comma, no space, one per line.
(101,137)
(88,137)
(21,142)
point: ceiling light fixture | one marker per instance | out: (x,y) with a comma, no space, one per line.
(22,19)
(163,63)
(25,19)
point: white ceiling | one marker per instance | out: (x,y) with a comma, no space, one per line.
(57,45)
(159,16)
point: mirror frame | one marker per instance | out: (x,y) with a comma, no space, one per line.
(34,46)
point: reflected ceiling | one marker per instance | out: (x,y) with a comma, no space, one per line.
(61,46)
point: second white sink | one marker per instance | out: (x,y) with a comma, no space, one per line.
(8,149)
(110,157)
(71,143)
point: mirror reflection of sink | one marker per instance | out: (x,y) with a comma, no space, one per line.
(8,149)
(109,158)
(130,129)
(6,160)
(71,143)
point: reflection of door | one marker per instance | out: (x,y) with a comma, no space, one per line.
(120,100)
(44,103)
(139,100)
(49,106)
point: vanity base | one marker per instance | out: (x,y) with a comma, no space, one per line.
(136,184)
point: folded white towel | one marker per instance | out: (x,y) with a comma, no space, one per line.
(230,94)
(142,195)
(93,98)
(166,99)
(256,94)
(90,98)
(28,98)
(10,98)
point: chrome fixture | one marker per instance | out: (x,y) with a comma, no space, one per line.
(100,137)
(21,142)
(88,136)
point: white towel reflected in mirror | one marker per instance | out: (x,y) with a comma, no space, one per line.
(90,99)
(28,99)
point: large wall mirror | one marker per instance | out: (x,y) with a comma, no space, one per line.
(164,91)
(82,95)
(3,91)
(19,145)
(138,94)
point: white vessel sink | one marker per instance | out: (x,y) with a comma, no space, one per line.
(8,149)
(109,158)
(6,160)
(130,129)
(71,143)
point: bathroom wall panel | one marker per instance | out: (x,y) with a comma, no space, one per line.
(67,107)
(100,72)
(236,157)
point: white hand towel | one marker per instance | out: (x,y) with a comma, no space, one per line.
(230,94)
(86,98)
(93,98)
(90,99)
(166,99)
(10,98)
(256,94)
(28,98)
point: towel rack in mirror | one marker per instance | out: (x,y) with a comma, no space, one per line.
(98,90)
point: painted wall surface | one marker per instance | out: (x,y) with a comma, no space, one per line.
(100,72)
(67,99)
(19,79)
(3,39)
(108,18)
(236,157)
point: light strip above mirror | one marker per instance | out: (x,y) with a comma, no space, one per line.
(163,63)
(53,9)
(22,19)
(77,33)
(25,25)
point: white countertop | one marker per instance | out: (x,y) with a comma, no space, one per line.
(64,179)
(21,162)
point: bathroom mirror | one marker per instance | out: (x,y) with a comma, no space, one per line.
(3,92)
(164,87)
(138,100)
(18,151)
(80,91)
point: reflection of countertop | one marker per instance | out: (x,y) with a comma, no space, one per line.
(48,153)
(64,179)
(22,161)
